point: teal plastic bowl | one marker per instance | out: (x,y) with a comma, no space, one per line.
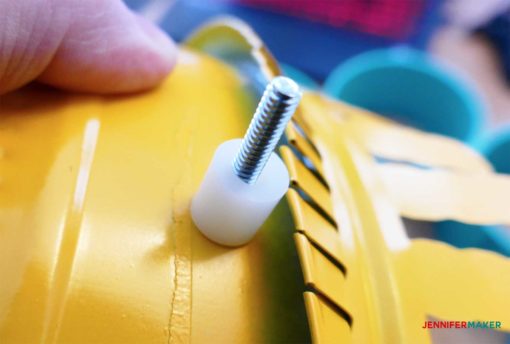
(411,87)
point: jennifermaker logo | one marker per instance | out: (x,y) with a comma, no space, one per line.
(462,324)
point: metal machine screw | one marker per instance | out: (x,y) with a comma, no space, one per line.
(276,107)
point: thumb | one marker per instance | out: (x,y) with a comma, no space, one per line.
(83,45)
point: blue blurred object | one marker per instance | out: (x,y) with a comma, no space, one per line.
(496,149)
(412,88)
(300,77)
(313,47)
(463,235)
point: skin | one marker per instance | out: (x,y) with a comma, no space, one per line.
(93,46)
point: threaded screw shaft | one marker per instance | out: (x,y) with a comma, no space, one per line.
(276,107)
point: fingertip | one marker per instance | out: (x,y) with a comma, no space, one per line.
(126,54)
(159,57)
(158,39)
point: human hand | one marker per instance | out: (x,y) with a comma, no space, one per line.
(96,46)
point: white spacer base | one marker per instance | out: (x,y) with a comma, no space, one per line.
(226,209)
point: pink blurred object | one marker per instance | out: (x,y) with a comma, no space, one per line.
(387,18)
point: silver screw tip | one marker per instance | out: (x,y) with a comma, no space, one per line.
(274,111)
(286,87)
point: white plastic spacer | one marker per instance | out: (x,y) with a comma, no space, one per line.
(229,211)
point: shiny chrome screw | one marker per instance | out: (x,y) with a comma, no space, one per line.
(276,107)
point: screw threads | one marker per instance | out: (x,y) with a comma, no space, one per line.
(278,103)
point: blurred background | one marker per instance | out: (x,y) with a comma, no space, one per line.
(314,36)
(471,37)
(442,66)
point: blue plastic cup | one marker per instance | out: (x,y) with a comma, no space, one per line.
(411,87)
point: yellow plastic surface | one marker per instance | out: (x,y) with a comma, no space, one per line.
(393,284)
(96,240)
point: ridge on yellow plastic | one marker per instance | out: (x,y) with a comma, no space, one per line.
(319,272)
(305,180)
(312,224)
(369,293)
(327,326)
(303,146)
